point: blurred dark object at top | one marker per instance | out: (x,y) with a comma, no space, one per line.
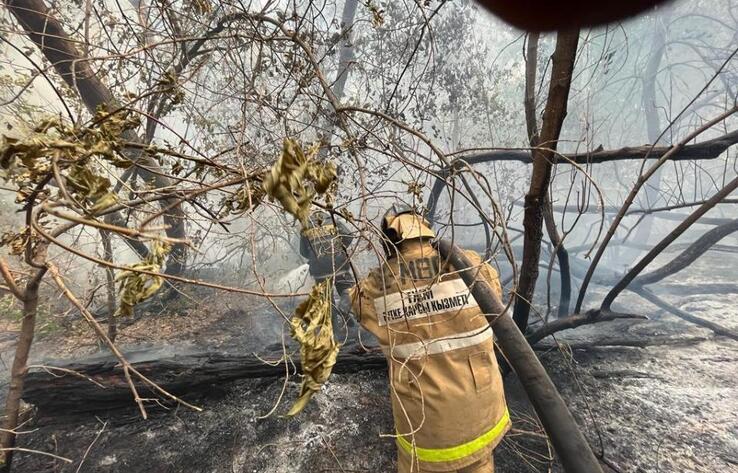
(549,15)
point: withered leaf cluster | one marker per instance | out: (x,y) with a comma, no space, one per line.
(246,198)
(296,178)
(312,327)
(73,149)
(136,287)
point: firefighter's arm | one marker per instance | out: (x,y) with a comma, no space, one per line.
(344,233)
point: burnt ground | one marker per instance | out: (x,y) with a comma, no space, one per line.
(657,395)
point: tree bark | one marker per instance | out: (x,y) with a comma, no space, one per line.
(569,442)
(529,102)
(59,49)
(577,320)
(18,370)
(543,158)
(531,122)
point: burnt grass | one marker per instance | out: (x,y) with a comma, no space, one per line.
(666,407)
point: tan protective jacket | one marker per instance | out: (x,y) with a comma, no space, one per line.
(447,395)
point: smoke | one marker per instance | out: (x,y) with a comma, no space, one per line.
(296,280)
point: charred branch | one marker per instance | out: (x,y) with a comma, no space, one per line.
(29,298)
(656,250)
(688,256)
(640,182)
(659,212)
(577,320)
(706,150)
(657,301)
(562,256)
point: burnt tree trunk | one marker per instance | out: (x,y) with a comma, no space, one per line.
(531,122)
(59,49)
(543,158)
(529,102)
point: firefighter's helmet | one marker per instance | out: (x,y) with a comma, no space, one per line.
(401,222)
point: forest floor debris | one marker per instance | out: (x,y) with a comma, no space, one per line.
(657,394)
(678,417)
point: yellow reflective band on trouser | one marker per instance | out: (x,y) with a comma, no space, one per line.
(436,455)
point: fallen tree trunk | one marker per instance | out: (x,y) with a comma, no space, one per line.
(571,446)
(98,385)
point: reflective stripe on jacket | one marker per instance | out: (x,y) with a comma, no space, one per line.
(447,395)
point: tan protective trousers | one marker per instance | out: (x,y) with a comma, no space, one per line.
(482,466)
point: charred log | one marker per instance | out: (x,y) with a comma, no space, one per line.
(98,385)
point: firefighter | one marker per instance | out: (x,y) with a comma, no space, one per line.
(323,244)
(447,395)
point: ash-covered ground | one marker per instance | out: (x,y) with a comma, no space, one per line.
(654,396)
